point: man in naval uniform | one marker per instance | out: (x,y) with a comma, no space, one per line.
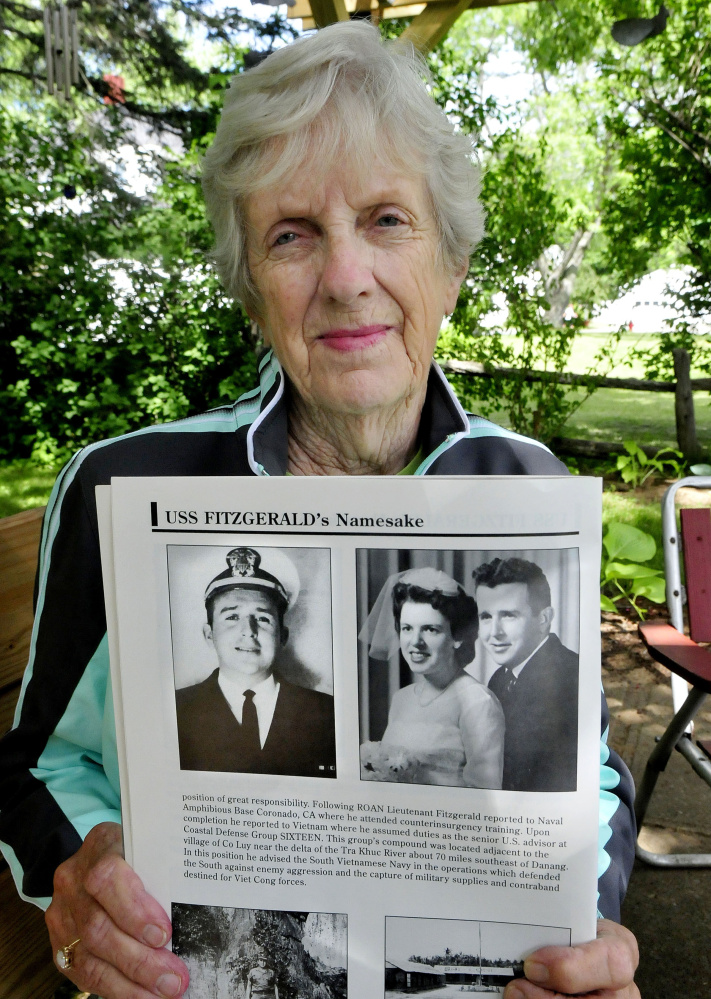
(537,678)
(244,717)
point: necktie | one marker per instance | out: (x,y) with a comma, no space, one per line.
(250,723)
(508,685)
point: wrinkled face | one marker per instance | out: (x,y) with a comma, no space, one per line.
(246,633)
(426,641)
(508,625)
(353,295)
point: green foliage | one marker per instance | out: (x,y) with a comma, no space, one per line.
(544,175)
(624,574)
(523,217)
(94,343)
(109,316)
(647,110)
(636,467)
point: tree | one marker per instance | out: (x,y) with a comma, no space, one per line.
(657,108)
(109,316)
(542,215)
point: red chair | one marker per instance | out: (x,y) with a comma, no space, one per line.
(689,662)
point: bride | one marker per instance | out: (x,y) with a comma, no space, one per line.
(445,727)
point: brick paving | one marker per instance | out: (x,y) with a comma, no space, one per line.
(668,910)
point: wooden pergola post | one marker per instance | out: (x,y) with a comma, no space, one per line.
(328,12)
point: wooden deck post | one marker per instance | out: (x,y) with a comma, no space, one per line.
(684,406)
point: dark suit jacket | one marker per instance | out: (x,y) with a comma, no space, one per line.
(301,740)
(541,712)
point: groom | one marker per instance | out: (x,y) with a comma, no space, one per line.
(537,679)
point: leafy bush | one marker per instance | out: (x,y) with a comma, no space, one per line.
(636,467)
(109,317)
(624,574)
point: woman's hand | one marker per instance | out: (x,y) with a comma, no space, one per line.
(100,901)
(603,968)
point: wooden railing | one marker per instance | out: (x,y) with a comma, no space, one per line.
(26,967)
(683,388)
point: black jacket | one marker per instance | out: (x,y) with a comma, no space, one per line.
(541,741)
(300,742)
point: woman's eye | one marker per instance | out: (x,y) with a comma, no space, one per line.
(284,238)
(388,221)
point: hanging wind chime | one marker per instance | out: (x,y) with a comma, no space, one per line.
(61,47)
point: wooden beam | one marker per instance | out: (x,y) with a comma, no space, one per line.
(568,378)
(328,12)
(429,28)
(497,3)
(395,8)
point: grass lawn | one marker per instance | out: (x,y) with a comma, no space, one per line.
(24,485)
(645,417)
(616,415)
(586,346)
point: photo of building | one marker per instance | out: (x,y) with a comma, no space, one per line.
(448,957)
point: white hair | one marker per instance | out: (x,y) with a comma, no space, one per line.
(342,94)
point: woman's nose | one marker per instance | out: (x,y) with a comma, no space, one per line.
(347,268)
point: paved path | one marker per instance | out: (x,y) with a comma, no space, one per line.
(669,911)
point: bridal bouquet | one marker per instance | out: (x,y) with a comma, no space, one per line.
(388,763)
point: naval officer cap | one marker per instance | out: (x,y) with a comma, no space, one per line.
(258,569)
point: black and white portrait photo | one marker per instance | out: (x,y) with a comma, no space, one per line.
(468,667)
(261,953)
(253,659)
(446,957)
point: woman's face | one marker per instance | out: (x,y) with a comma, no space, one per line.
(353,294)
(426,641)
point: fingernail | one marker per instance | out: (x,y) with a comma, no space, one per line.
(537,973)
(154,936)
(169,985)
(514,992)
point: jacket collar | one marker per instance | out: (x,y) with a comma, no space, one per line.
(443,420)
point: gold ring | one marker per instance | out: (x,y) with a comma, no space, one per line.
(65,955)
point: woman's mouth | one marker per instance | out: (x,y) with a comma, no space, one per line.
(419,657)
(354,339)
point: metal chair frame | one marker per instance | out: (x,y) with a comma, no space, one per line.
(687,702)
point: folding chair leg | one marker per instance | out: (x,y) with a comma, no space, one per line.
(673,738)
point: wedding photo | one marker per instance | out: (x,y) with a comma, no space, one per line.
(261,953)
(446,957)
(253,659)
(468,667)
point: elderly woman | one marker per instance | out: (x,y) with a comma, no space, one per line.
(445,727)
(345,208)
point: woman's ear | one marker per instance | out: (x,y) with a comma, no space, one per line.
(457,645)
(451,293)
(257,328)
